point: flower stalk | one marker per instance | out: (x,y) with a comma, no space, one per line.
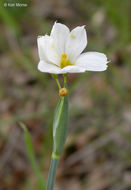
(57,81)
(52,173)
(60,128)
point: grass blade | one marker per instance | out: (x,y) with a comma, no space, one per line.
(31,155)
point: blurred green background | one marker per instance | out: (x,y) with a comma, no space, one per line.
(97,153)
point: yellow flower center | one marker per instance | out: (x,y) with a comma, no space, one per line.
(64,61)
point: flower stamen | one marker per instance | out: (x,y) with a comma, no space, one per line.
(64,56)
(64,61)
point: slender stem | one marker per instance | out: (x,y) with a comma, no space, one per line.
(57,81)
(59,134)
(52,174)
(64,75)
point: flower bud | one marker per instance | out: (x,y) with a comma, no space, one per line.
(63,92)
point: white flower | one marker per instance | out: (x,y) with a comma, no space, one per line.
(61,52)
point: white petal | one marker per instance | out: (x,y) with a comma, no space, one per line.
(51,68)
(60,33)
(41,49)
(92,61)
(73,69)
(76,43)
(48,68)
(47,50)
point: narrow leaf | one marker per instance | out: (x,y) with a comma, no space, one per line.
(31,155)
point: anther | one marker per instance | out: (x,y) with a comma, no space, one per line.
(64,56)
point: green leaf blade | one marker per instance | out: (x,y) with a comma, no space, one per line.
(31,154)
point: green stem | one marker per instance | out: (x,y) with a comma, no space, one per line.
(60,126)
(64,75)
(52,174)
(57,81)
